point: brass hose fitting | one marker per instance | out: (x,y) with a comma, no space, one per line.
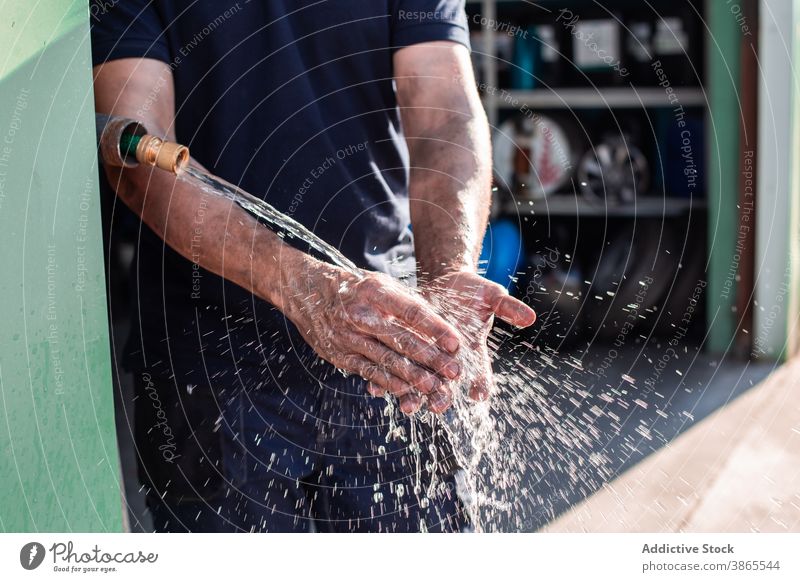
(125,143)
(167,155)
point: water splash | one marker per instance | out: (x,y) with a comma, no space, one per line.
(535,418)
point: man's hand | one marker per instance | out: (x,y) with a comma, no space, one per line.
(375,327)
(450,193)
(471,303)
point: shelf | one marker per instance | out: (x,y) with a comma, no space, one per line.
(571,205)
(628,97)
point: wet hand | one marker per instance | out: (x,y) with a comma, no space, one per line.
(375,327)
(470,303)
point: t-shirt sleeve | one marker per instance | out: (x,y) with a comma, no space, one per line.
(416,21)
(127,29)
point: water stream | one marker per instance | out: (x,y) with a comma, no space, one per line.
(278,222)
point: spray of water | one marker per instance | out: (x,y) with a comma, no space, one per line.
(284,226)
(497,442)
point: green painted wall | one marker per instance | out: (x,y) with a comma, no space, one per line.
(723,75)
(59,469)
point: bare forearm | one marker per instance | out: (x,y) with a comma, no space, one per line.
(450,191)
(211,231)
(449,145)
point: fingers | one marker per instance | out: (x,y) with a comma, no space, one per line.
(417,380)
(482,386)
(421,318)
(508,308)
(401,367)
(515,312)
(439,397)
(406,343)
(440,400)
(409,404)
(474,289)
(381,381)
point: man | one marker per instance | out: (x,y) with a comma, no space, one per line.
(360,120)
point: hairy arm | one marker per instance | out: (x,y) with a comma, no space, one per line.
(231,243)
(450,193)
(448,141)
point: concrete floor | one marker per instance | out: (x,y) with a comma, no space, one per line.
(705,385)
(737,471)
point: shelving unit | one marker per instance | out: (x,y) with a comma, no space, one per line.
(499,100)
(580,206)
(610,109)
(714,105)
(601,97)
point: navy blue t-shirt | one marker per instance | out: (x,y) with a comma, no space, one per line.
(293,101)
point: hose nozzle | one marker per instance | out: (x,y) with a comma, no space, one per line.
(167,155)
(125,143)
